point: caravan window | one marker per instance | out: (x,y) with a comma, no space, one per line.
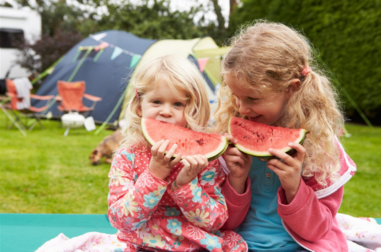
(9,38)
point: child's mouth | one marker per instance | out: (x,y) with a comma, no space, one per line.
(254,118)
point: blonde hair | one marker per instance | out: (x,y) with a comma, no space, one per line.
(267,56)
(181,76)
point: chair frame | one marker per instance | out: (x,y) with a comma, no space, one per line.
(32,112)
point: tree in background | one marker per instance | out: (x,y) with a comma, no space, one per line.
(347,35)
(64,25)
(150,19)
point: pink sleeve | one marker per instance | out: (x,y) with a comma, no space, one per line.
(132,199)
(309,217)
(238,204)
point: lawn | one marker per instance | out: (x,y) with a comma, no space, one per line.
(46,172)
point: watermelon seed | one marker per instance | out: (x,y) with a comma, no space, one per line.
(200,141)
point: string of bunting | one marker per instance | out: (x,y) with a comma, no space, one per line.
(202,62)
(103,45)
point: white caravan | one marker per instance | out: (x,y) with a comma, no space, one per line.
(15,24)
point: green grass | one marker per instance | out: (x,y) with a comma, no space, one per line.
(362,192)
(46,172)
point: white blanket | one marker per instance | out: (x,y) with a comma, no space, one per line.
(23,87)
(363,235)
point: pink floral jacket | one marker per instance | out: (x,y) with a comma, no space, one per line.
(149,214)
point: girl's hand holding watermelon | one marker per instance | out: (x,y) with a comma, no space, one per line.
(161,163)
(238,164)
(288,171)
(193,165)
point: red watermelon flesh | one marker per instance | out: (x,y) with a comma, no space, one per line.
(189,142)
(256,138)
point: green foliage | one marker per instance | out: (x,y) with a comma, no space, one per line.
(347,35)
(154,21)
(48,48)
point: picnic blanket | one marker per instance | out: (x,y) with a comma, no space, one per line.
(363,235)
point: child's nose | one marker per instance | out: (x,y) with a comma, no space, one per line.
(166,110)
(243,109)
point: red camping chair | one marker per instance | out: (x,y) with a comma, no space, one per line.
(71,96)
(30,112)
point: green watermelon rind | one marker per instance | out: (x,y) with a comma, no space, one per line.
(265,154)
(210,156)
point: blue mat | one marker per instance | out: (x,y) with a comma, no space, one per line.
(27,232)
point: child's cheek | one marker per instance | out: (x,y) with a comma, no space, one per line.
(237,102)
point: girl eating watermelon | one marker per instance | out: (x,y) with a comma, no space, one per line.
(288,203)
(160,203)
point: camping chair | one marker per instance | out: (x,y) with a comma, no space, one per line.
(71,96)
(70,101)
(19,105)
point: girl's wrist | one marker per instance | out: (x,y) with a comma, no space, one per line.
(238,184)
(159,175)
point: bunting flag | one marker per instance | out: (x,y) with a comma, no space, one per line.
(99,36)
(135,59)
(102,46)
(85,48)
(117,51)
(202,63)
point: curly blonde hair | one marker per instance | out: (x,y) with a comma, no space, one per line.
(181,76)
(268,56)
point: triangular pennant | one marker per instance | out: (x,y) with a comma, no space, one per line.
(99,36)
(117,51)
(135,59)
(202,63)
(102,45)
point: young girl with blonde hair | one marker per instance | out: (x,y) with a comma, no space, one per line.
(158,203)
(270,77)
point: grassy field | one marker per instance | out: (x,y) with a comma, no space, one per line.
(46,172)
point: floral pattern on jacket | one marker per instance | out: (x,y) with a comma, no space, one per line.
(149,214)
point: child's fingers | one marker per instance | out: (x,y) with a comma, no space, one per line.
(162,148)
(185,162)
(156,147)
(232,151)
(277,165)
(282,155)
(230,138)
(235,159)
(202,161)
(300,151)
(175,160)
(170,153)
(192,161)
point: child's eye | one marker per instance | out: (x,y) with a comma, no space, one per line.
(156,102)
(178,104)
(252,99)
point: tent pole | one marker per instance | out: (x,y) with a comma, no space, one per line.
(112,112)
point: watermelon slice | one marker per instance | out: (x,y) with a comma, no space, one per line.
(255,138)
(189,142)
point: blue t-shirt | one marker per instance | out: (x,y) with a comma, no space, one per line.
(262,228)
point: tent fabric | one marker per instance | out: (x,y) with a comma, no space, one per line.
(106,62)
(106,78)
(185,48)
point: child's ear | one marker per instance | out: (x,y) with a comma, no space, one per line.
(293,85)
(139,111)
